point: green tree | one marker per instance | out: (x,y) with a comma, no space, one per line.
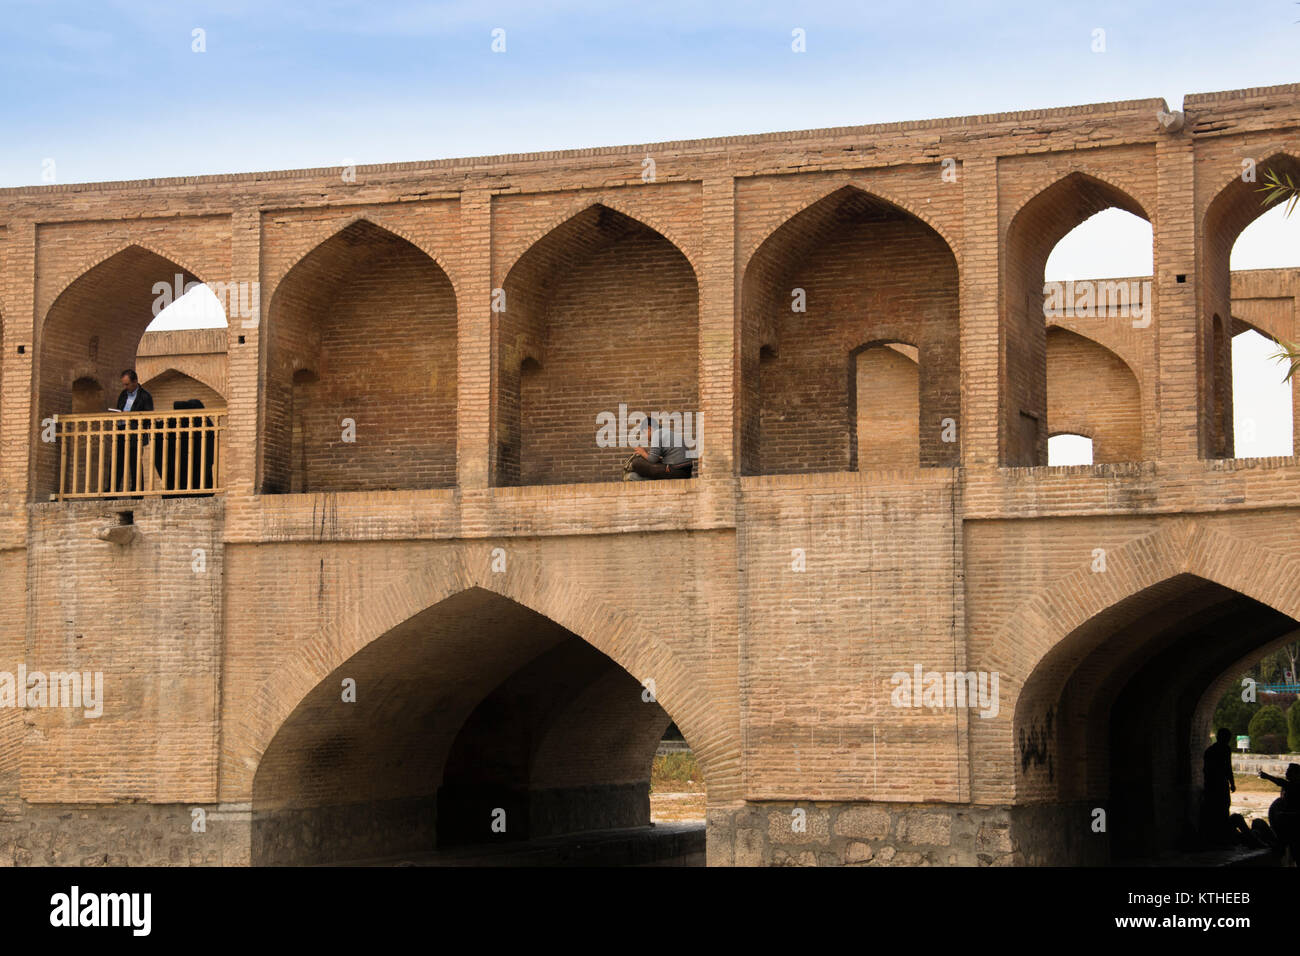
(1268,730)
(1293,727)
(1234,713)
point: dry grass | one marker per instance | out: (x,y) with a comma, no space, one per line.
(676,788)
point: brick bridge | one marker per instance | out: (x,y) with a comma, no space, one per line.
(872,497)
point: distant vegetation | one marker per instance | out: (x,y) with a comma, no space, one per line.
(1272,721)
(676,773)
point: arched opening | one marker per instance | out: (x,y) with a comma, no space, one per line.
(476,723)
(852,268)
(173,386)
(373,318)
(1111,244)
(1092,391)
(94,330)
(886,394)
(600,318)
(1239,205)
(1113,717)
(1033,298)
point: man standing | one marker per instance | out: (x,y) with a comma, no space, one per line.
(1219,785)
(666,457)
(133,399)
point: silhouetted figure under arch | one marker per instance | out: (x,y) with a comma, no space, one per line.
(1220,784)
(1284,812)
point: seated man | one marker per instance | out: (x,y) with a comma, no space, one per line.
(1284,812)
(666,457)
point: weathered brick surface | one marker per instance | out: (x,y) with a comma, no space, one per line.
(191,359)
(474,528)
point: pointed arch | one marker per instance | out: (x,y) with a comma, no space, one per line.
(320,233)
(1072,651)
(1031,234)
(582,305)
(613,632)
(1236,204)
(1093,190)
(884,402)
(470,693)
(847,269)
(813,196)
(135,247)
(364,298)
(574,210)
(172,383)
(92,330)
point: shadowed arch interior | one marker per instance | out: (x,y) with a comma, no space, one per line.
(599,313)
(1112,716)
(474,705)
(92,332)
(372,318)
(848,271)
(1033,233)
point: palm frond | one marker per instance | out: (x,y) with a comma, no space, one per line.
(1280,187)
(1287,352)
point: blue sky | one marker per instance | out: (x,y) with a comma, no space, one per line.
(111,89)
(114,90)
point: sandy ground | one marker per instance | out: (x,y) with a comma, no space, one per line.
(1253,803)
(677,807)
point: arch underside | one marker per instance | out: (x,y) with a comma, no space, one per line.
(173,385)
(477,720)
(1117,714)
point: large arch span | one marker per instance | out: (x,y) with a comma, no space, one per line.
(476,719)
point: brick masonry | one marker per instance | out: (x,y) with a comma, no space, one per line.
(473,318)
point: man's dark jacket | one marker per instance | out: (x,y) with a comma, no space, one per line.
(143,401)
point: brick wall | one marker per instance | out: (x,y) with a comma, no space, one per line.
(870,274)
(886,400)
(1090,391)
(601,312)
(364,328)
(184,363)
(770,609)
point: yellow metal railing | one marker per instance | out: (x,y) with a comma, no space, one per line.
(140,454)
